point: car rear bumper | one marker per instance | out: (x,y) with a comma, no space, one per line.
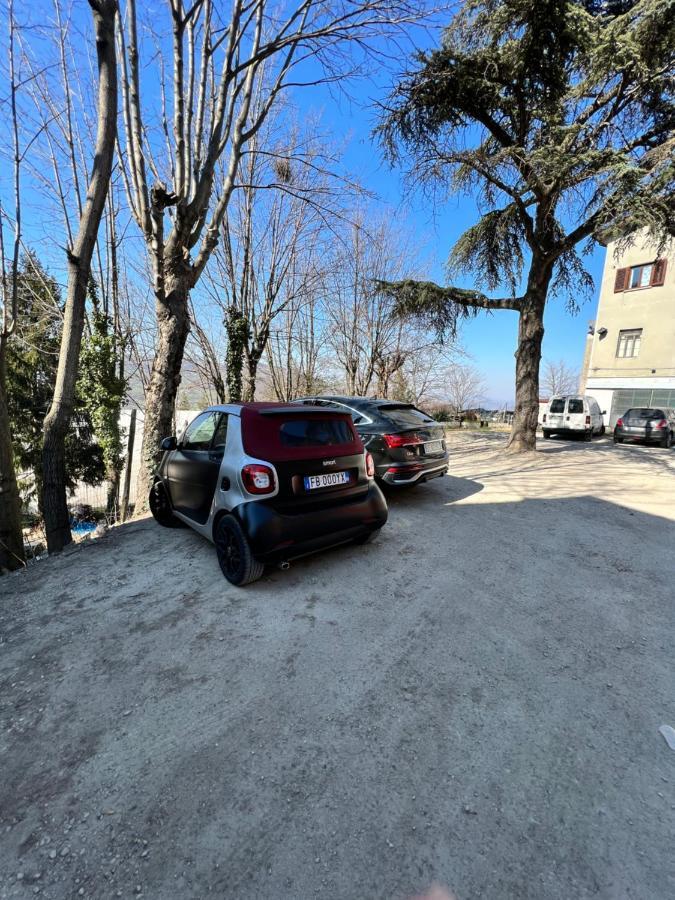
(411,473)
(276,536)
(654,436)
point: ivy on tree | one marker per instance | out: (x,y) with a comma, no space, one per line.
(558,118)
(32,358)
(102,390)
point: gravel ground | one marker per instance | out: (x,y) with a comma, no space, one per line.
(474,700)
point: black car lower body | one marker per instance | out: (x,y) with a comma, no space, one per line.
(278,534)
(403,473)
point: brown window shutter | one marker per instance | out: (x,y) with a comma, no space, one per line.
(621,280)
(659,272)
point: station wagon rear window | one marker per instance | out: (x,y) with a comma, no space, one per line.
(575,406)
(404,415)
(558,406)
(315,433)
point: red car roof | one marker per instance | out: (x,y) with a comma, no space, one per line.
(261,433)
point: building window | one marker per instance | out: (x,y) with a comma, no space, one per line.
(652,274)
(641,276)
(629,343)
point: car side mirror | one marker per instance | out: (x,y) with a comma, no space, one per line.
(604,412)
(169,443)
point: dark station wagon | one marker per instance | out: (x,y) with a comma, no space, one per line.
(407,445)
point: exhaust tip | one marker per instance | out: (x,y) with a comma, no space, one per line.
(284,565)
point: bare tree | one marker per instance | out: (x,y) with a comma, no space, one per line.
(464,388)
(295,350)
(11,537)
(370,343)
(57,525)
(559,378)
(217,65)
(275,239)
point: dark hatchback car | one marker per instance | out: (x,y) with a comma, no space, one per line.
(653,426)
(268,482)
(407,445)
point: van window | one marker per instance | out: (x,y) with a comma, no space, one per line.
(315,432)
(557,406)
(575,406)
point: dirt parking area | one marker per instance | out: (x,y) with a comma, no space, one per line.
(473,700)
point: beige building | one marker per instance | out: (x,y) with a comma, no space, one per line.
(630,349)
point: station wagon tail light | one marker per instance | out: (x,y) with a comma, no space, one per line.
(661,424)
(619,422)
(401,440)
(258,479)
(370,466)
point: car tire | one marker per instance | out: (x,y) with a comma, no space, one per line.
(547,434)
(235,557)
(160,507)
(588,436)
(667,440)
(602,430)
(367,538)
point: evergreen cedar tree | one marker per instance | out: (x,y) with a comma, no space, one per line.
(558,117)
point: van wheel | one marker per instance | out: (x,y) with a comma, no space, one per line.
(367,538)
(602,430)
(235,557)
(588,436)
(547,434)
(160,507)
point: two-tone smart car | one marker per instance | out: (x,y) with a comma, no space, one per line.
(268,482)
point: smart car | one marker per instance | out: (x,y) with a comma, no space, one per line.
(268,482)
(407,445)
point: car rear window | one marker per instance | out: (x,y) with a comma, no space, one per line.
(279,436)
(575,406)
(557,406)
(404,415)
(642,412)
(314,433)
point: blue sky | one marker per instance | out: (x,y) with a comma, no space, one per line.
(490,339)
(350,118)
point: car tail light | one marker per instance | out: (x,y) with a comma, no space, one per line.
(402,440)
(660,424)
(258,479)
(588,420)
(619,423)
(370,466)
(544,419)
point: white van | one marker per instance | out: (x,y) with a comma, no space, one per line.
(573,415)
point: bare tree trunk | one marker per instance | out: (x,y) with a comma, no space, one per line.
(11,538)
(528,357)
(173,327)
(57,420)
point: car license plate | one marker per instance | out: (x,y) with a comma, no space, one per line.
(329,480)
(433,446)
